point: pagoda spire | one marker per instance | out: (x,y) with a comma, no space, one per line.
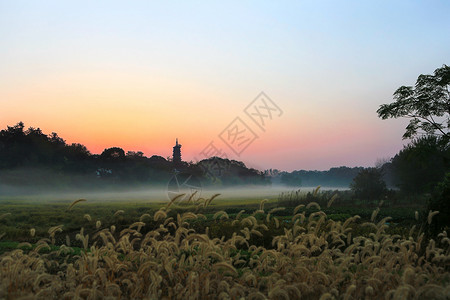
(176,158)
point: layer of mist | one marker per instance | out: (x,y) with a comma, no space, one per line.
(144,194)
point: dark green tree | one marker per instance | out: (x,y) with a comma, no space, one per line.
(77,151)
(440,201)
(369,184)
(13,148)
(114,153)
(427,105)
(420,165)
(291,179)
(135,155)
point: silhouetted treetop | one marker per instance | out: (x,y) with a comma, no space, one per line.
(421,164)
(157,158)
(368,184)
(113,153)
(427,105)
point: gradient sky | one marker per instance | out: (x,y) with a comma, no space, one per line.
(138,74)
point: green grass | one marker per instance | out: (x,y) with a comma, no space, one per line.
(7,246)
(41,215)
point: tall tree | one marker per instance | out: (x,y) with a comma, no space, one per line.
(427,105)
(421,164)
(369,184)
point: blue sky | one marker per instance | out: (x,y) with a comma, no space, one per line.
(139,74)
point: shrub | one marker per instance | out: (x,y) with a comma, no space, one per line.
(369,184)
(440,201)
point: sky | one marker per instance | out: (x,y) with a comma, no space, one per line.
(139,74)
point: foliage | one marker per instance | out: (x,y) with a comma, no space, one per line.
(291,179)
(114,153)
(293,198)
(420,165)
(162,256)
(230,172)
(369,184)
(426,105)
(440,201)
(340,176)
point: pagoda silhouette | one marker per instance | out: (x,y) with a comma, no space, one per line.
(176,158)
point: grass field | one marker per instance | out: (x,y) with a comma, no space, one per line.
(314,247)
(24,214)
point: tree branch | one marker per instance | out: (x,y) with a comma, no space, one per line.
(432,122)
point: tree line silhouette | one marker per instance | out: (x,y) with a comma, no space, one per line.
(31,157)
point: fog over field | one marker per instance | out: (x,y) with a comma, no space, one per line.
(153,194)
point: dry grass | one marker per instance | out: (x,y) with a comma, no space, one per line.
(315,258)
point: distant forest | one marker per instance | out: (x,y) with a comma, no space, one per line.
(334,177)
(31,158)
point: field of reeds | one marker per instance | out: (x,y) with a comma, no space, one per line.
(196,250)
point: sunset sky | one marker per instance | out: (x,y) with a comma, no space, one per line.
(138,74)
